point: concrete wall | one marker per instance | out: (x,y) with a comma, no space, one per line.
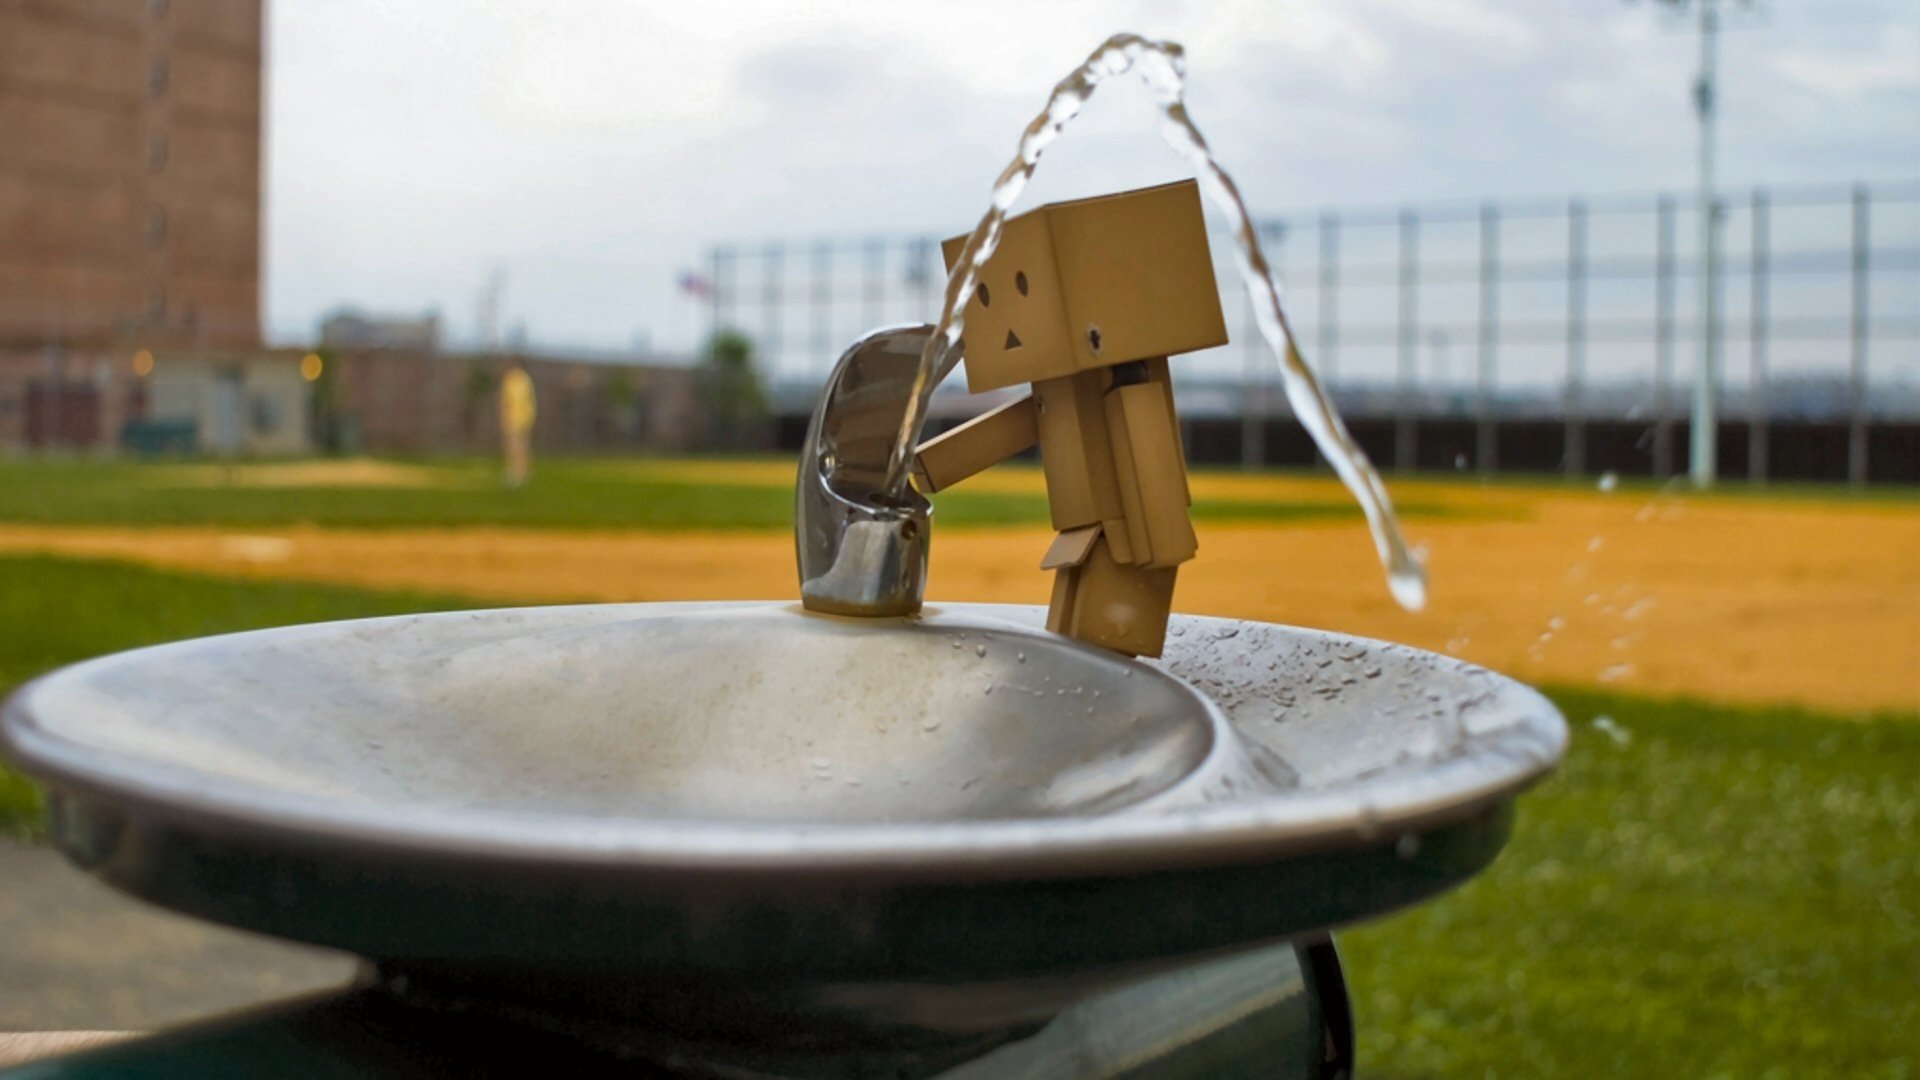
(248,405)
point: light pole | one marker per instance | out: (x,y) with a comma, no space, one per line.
(1703,432)
(1703,459)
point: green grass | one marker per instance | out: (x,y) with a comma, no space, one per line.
(1730,892)
(55,611)
(1710,891)
(1729,488)
(565,493)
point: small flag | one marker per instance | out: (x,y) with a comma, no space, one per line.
(694,285)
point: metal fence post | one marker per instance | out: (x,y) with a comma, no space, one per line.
(1576,419)
(1486,430)
(1252,425)
(821,304)
(875,291)
(1663,340)
(1254,407)
(1328,330)
(1857,373)
(1758,406)
(1405,427)
(773,267)
(925,270)
(717,295)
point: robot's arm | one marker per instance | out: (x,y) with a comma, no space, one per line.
(980,443)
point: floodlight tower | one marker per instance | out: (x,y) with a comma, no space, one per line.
(1704,429)
(1704,453)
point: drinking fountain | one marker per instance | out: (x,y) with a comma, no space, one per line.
(858,836)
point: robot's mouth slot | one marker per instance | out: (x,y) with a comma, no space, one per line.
(1013,341)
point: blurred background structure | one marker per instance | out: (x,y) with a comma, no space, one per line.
(130,276)
(129,205)
(1479,334)
(1544,336)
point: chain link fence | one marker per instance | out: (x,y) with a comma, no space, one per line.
(1473,334)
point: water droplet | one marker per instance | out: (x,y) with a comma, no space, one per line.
(1407,846)
(1616,672)
(1599,542)
(1610,480)
(1022,657)
(981,650)
(1606,726)
(1639,608)
(932,723)
(1557,623)
(1460,461)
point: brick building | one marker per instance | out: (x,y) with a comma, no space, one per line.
(129,202)
(130,214)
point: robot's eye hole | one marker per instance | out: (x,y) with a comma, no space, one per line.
(1020,282)
(986,298)
(1093,338)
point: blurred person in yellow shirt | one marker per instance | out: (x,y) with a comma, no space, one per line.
(517,412)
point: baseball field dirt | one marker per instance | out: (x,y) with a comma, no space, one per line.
(1738,599)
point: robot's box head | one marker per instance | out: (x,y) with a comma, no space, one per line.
(1092,283)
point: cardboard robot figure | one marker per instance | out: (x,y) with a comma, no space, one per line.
(1086,300)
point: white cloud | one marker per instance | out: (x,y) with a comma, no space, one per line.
(1850,76)
(595,147)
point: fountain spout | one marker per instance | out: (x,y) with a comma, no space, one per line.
(862,548)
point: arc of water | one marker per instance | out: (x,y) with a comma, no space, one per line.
(1162,65)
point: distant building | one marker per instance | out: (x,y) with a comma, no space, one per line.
(349,328)
(246,404)
(129,202)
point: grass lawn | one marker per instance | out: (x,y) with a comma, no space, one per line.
(1700,891)
(566,493)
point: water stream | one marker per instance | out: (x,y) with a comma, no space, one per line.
(1162,64)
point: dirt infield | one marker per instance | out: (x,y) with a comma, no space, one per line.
(1741,600)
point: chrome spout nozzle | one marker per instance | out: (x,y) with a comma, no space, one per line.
(862,548)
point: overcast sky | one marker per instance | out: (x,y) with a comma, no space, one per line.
(593,149)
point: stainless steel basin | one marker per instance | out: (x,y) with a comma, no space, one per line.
(744,819)
(755,747)
(478,729)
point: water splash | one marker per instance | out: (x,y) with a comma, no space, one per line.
(1162,65)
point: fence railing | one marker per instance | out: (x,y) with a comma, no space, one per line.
(1583,308)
